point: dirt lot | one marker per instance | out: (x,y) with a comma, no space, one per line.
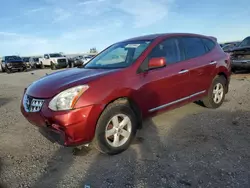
(188,147)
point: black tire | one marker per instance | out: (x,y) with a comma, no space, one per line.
(52,66)
(3,70)
(113,109)
(8,71)
(233,71)
(42,65)
(208,101)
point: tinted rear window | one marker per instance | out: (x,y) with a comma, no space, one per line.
(193,46)
(208,43)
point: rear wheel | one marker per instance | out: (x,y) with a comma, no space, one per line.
(216,93)
(115,128)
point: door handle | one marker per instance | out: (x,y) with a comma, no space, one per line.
(183,71)
(213,62)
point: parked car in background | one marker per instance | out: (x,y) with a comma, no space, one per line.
(229,47)
(35,63)
(26,60)
(240,56)
(12,63)
(87,58)
(105,101)
(54,61)
(76,61)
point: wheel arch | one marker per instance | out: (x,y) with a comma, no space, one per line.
(227,79)
(132,103)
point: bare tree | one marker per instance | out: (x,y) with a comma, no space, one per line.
(93,50)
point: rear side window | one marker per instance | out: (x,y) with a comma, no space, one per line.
(193,47)
(208,43)
(168,49)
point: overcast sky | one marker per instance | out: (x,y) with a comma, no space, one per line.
(30,27)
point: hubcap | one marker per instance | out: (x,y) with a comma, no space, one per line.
(218,93)
(118,130)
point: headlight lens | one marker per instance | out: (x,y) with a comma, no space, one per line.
(67,99)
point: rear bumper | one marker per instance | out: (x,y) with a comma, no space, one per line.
(67,128)
(240,64)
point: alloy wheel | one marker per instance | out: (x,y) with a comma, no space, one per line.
(218,93)
(118,130)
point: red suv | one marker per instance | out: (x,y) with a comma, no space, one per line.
(105,101)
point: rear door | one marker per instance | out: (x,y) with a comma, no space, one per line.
(162,88)
(201,64)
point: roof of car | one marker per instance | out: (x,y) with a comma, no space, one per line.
(154,36)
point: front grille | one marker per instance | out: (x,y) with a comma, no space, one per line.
(31,104)
(61,60)
(16,64)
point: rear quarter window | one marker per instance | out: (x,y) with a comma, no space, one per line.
(209,44)
(193,47)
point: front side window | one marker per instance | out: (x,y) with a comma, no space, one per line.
(119,55)
(168,49)
(193,46)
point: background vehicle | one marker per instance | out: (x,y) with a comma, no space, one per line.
(240,56)
(229,47)
(106,100)
(76,61)
(54,61)
(26,61)
(35,63)
(12,63)
(86,59)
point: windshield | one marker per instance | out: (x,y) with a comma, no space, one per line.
(55,55)
(245,42)
(26,59)
(35,59)
(13,58)
(119,55)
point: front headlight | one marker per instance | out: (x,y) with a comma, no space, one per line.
(67,99)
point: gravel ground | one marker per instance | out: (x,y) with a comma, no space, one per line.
(188,147)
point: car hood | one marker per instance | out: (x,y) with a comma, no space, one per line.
(52,84)
(241,48)
(241,51)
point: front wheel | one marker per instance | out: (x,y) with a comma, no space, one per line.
(3,70)
(8,71)
(216,93)
(115,128)
(52,66)
(42,65)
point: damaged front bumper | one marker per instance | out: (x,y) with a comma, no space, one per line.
(239,64)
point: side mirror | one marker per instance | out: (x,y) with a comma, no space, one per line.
(157,62)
